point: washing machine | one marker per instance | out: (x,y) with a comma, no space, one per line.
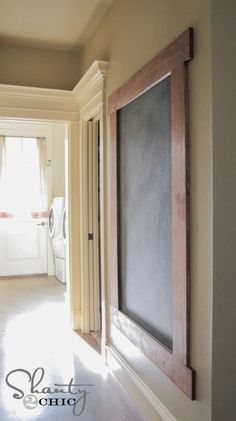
(57,233)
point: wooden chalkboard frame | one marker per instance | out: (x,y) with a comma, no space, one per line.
(172,61)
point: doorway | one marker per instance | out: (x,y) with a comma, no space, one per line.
(73,109)
(33,169)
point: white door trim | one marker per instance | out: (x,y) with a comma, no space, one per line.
(93,236)
(91,97)
(96,226)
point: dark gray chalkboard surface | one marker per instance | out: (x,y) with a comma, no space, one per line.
(145,212)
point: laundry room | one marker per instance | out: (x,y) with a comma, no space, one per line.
(32,199)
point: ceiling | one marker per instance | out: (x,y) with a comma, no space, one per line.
(53,24)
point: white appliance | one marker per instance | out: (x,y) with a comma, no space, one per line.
(57,233)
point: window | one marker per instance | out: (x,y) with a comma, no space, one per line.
(21,177)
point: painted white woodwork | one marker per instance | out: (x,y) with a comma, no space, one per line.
(37,103)
(96,225)
(91,98)
(93,226)
(91,269)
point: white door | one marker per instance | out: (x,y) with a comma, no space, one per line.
(23,247)
(23,238)
(93,225)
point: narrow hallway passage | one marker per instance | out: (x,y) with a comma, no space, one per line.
(35,334)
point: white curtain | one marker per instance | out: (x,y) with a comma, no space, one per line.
(2,165)
(2,154)
(42,153)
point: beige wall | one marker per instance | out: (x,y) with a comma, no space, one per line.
(131,33)
(38,67)
(224,134)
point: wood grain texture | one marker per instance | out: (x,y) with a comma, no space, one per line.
(181,375)
(180,213)
(160,355)
(160,66)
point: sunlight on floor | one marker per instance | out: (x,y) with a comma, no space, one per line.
(36,334)
(31,330)
(89,357)
(30,341)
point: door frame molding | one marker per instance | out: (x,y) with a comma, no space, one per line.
(86,101)
(90,95)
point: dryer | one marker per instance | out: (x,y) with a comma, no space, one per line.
(57,234)
(56,217)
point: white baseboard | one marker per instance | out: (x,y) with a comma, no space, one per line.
(147,402)
(76,319)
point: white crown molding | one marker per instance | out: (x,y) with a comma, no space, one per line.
(24,101)
(32,92)
(90,90)
(97,71)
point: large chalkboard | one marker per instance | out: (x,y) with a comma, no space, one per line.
(145,211)
(148,197)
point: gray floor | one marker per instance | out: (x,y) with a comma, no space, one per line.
(35,333)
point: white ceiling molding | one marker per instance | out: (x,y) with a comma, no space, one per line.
(28,102)
(90,90)
(24,101)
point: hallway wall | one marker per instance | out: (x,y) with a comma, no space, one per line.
(131,33)
(224,153)
(38,67)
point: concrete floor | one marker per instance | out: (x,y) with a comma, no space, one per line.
(35,332)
